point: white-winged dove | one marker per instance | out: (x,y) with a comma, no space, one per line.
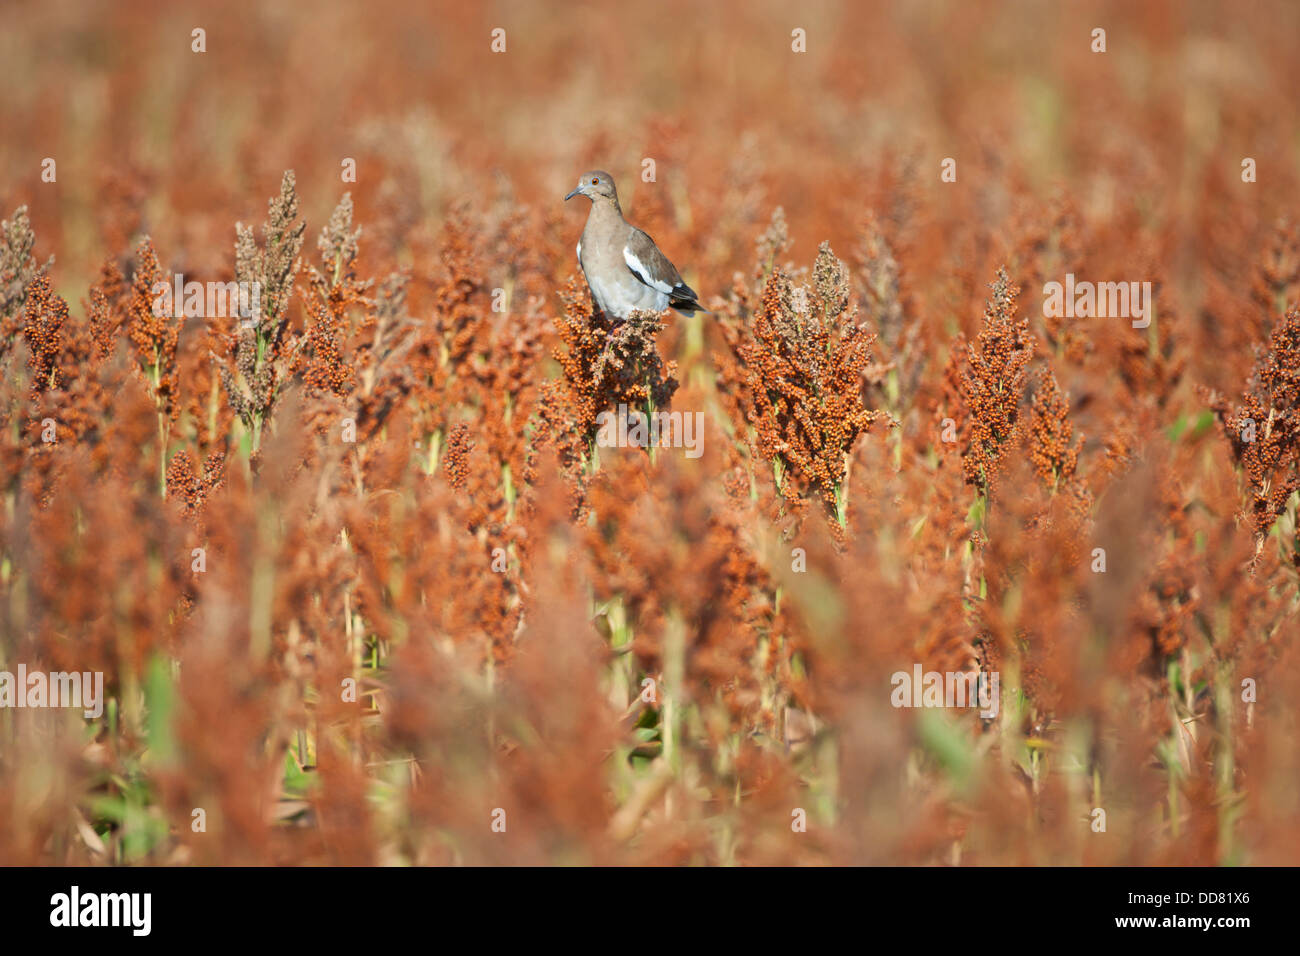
(624,268)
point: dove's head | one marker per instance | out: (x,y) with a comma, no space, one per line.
(595,185)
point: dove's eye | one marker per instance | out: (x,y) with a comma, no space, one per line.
(595,181)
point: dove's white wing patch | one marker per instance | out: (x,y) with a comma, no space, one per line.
(642,273)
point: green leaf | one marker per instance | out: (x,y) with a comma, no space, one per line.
(949,744)
(160,699)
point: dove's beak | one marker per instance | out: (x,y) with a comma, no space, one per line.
(572,194)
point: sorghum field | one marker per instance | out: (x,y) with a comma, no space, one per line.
(365,586)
